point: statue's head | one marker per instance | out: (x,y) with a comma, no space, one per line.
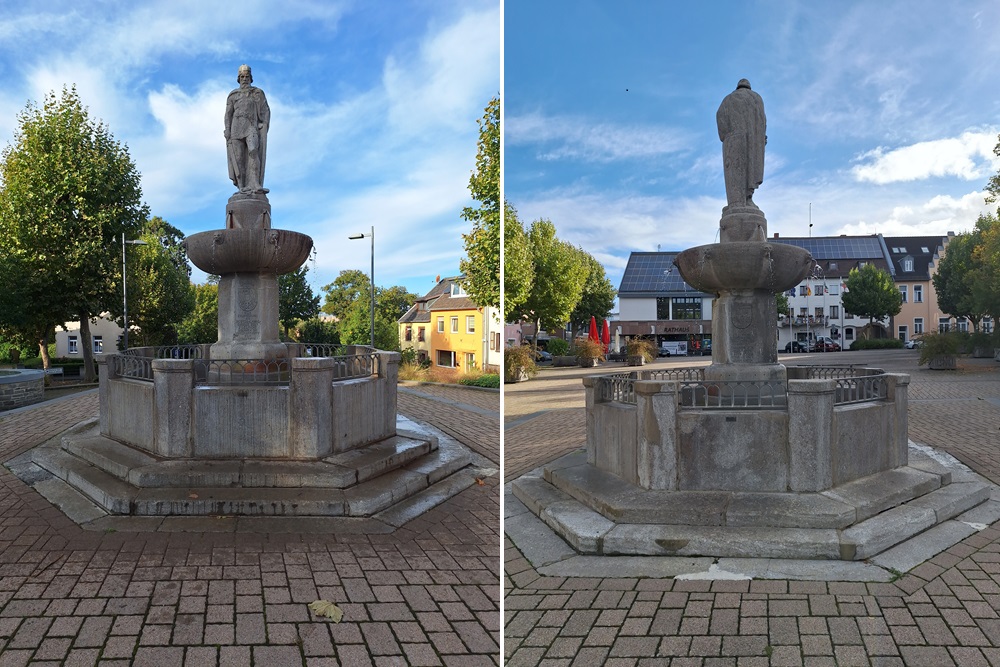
(244,73)
(743,84)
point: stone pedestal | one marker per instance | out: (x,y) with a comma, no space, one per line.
(248,317)
(742,223)
(744,337)
(245,211)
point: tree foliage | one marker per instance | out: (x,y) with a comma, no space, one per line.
(296,300)
(159,288)
(481,265)
(347,287)
(202,324)
(348,298)
(518,270)
(560,271)
(962,280)
(70,190)
(872,293)
(986,255)
(598,296)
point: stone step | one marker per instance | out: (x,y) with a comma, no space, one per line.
(391,453)
(107,491)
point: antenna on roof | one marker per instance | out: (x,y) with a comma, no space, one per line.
(657,247)
(810,220)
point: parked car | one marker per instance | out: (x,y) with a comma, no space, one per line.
(913,343)
(825,344)
(795,346)
(543,356)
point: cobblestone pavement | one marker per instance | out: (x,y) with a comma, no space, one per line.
(945,612)
(427,594)
(476,423)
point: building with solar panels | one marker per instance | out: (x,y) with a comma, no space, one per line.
(655,302)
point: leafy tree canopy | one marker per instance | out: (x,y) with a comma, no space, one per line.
(872,293)
(296,300)
(560,271)
(347,288)
(202,324)
(518,270)
(481,265)
(598,296)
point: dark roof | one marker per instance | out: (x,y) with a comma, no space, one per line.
(654,274)
(837,255)
(923,250)
(439,298)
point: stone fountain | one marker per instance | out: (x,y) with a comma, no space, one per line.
(745,457)
(249,425)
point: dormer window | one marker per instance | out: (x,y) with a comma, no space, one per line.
(907,264)
(457,290)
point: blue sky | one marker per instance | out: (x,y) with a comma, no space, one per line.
(373,111)
(882,115)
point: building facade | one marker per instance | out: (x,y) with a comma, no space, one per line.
(106,338)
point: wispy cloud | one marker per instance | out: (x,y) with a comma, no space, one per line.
(968,156)
(577,138)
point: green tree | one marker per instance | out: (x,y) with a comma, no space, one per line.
(296,300)
(560,271)
(781,299)
(872,293)
(390,304)
(69,192)
(315,330)
(202,324)
(598,296)
(159,289)
(518,270)
(986,258)
(347,287)
(960,276)
(482,245)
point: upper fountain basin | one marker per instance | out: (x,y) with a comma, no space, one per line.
(744,265)
(248,250)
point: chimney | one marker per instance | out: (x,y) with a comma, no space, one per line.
(437,279)
(776,235)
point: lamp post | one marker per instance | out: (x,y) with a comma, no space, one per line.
(125,289)
(355,237)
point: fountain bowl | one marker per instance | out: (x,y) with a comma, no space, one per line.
(252,250)
(750,265)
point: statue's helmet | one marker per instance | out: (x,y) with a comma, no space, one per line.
(743,84)
(244,69)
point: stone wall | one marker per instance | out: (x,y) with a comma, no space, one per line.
(24,388)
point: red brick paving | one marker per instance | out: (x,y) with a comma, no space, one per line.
(428,594)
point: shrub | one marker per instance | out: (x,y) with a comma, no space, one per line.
(489,380)
(518,360)
(940,345)
(589,349)
(877,344)
(557,347)
(413,372)
(641,346)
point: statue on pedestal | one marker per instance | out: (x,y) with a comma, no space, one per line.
(743,131)
(247,120)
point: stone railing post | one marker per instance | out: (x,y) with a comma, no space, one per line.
(105,372)
(310,409)
(656,428)
(897,391)
(173,384)
(590,394)
(388,374)
(810,434)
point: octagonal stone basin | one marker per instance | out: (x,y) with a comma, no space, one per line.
(744,265)
(248,250)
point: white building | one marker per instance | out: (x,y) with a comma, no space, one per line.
(106,337)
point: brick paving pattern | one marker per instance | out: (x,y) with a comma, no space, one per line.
(476,423)
(943,613)
(428,594)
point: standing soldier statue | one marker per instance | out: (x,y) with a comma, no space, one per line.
(743,131)
(247,120)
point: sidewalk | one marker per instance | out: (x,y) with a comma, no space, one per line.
(944,612)
(427,594)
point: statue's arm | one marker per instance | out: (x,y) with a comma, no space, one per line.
(265,114)
(228,120)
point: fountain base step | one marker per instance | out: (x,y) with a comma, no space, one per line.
(408,470)
(597,513)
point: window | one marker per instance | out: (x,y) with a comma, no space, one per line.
(902,292)
(663,308)
(803,290)
(440,325)
(834,289)
(495,341)
(470,360)
(925,250)
(944,324)
(74,343)
(454,323)
(819,312)
(963,325)
(832,266)
(902,332)
(803,312)
(818,290)
(834,312)
(848,333)
(687,308)
(907,264)
(987,325)
(457,290)
(120,342)
(918,325)
(409,332)
(420,334)
(98,344)
(470,324)
(446,358)
(918,294)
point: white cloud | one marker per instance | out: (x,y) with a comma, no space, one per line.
(575,138)
(937,215)
(968,156)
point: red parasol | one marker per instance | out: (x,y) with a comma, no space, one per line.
(593,330)
(605,336)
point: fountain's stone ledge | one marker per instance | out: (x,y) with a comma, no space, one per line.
(598,513)
(411,469)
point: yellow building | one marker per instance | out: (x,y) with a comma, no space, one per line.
(447,328)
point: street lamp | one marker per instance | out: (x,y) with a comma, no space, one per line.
(124,289)
(355,237)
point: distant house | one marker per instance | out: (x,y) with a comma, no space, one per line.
(105,335)
(447,328)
